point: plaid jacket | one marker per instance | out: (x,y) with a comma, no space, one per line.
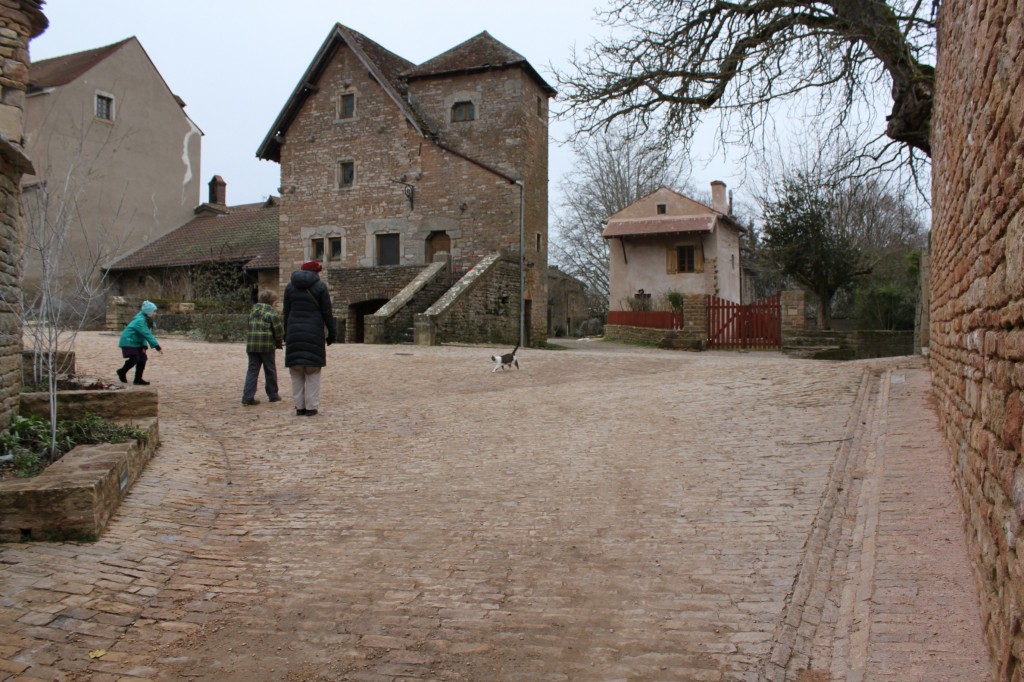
(266,330)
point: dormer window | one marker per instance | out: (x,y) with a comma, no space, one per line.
(463,111)
(105,107)
(347,106)
(662,209)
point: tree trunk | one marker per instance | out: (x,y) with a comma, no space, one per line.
(824,311)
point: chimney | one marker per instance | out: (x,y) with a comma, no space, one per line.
(219,191)
(719,202)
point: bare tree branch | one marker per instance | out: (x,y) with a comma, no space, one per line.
(668,62)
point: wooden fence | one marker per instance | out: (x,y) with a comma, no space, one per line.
(755,325)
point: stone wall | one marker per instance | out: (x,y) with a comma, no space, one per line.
(394,322)
(350,287)
(482,307)
(977,297)
(20,21)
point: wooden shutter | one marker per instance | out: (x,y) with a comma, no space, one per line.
(672,260)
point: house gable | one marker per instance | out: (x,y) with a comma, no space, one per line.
(133,164)
(382,65)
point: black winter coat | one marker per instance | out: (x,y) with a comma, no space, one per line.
(307,313)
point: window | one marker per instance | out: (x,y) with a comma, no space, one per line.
(335,247)
(662,209)
(540,107)
(105,107)
(317,249)
(539,242)
(685,258)
(387,249)
(347,106)
(346,174)
(463,111)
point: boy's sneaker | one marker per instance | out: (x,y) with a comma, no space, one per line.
(251,402)
(141,382)
(275,399)
(310,413)
(300,412)
(123,376)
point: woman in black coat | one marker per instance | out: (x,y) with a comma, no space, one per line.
(307,318)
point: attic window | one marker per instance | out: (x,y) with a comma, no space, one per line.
(463,111)
(105,107)
(347,106)
(662,209)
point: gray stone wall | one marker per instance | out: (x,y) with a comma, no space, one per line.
(977,297)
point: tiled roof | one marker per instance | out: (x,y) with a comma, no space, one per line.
(246,233)
(482,52)
(48,73)
(652,226)
(390,64)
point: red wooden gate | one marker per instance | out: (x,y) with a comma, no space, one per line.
(755,325)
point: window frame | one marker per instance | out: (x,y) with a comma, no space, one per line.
(661,209)
(379,243)
(111,111)
(341,111)
(463,111)
(332,253)
(693,263)
(316,249)
(339,174)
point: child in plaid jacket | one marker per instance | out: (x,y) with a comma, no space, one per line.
(265,336)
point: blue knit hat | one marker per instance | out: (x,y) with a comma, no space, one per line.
(148,308)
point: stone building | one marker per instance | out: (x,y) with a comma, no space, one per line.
(20,21)
(977,298)
(385,163)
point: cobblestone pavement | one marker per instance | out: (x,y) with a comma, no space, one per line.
(605,513)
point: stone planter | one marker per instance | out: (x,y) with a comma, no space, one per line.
(76,496)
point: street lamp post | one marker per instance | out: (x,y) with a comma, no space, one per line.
(522,266)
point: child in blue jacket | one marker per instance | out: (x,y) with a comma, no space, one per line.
(134,340)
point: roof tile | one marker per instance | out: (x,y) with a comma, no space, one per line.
(246,233)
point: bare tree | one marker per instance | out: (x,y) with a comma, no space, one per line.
(612,171)
(668,62)
(67,258)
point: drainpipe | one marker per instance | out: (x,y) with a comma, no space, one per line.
(522,266)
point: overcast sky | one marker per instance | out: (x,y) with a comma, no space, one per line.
(235,62)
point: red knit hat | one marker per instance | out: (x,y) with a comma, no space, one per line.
(312,266)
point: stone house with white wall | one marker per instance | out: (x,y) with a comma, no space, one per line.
(667,241)
(107,117)
(385,163)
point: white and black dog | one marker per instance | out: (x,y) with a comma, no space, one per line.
(506,361)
